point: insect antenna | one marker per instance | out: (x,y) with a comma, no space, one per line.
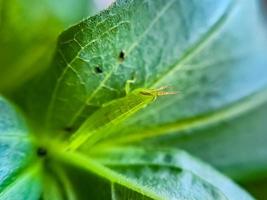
(162,93)
(162,88)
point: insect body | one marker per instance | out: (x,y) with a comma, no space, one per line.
(100,123)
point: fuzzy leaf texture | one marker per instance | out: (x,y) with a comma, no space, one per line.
(212,53)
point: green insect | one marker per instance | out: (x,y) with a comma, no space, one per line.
(99,124)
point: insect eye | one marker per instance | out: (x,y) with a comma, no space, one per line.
(145,93)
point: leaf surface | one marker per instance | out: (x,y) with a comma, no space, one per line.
(206,50)
(204,57)
(140,173)
(19,177)
(211,57)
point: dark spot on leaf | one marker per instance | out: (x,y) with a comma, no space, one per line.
(122,56)
(189,72)
(41,152)
(68,129)
(168,158)
(204,79)
(98,70)
(41,197)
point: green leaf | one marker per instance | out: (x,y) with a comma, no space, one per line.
(78,84)
(105,119)
(257,188)
(141,173)
(19,175)
(233,139)
(209,54)
(207,51)
(28,31)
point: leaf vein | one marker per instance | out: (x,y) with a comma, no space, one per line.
(198,45)
(130,49)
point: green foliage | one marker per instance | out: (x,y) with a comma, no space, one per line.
(20,171)
(28,31)
(96,133)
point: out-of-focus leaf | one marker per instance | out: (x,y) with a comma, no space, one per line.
(19,177)
(257,188)
(28,31)
(140,173)
(102,4)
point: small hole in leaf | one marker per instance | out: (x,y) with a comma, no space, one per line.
(98,70)
(41,152)
(122,56)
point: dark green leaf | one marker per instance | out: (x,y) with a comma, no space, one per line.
(257,188)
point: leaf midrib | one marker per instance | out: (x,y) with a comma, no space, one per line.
(98,168)
(200,43)
(171,166)
(88,164)
(180,160)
